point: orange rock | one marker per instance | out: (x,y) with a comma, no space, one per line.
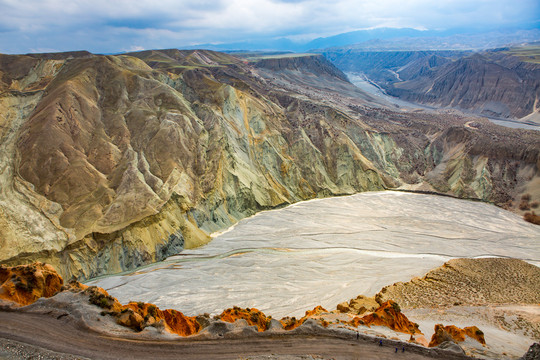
(75,286)
(131,319)
(389,315)
(24,284)
(475,333)
(138,315)
(318,310)
(252,316)
(180,324)
(290,323)
(453,333)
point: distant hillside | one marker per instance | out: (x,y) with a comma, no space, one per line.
(501,83)
(492,84)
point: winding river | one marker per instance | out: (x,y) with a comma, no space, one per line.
(325,251)
(362,82)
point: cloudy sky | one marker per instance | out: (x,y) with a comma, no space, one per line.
(108,26)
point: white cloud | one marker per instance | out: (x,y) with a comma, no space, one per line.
(101,25)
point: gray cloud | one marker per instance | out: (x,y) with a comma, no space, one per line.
(115,25)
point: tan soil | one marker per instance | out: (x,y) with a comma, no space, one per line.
(469,282)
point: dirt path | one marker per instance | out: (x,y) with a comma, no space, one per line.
(61,336)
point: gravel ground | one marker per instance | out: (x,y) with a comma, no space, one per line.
(14,350)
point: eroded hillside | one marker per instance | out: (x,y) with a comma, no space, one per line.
(111,162)
(502,83)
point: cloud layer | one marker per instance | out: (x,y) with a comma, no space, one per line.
(121,25)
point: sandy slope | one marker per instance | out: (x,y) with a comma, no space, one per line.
(500,296)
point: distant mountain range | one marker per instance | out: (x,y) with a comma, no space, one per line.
(390,39)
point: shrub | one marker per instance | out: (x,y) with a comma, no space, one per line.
(532,218)
(103,301)
(524,205)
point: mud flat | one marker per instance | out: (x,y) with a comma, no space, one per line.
(324,252)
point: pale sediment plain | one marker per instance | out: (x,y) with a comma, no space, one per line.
(325,251)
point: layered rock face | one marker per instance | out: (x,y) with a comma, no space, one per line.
(387,67)
(111,162)
(489,84)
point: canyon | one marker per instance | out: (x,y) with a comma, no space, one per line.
(108,163)
(499,83)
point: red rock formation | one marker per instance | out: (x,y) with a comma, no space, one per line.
(138,315)
(180,324)
(451,332)
(252,316)
(389,315)
(24,284)
(318,310)
(290,323)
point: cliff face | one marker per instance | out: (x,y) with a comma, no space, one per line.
(484,83)
(111,162)
(387,67)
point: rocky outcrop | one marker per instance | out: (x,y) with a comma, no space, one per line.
(359,305)
(532,353)
(315,64)
(291,323)
(469,282)
(453,333)
(112,162)
(252,316)
(389,315)
(138,315)
(25,284)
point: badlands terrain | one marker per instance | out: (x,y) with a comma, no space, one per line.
(113,163)
(500,83)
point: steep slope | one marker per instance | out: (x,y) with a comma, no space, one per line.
(469,282)
(385,67)
(498,83)
(111,162)
(489,84)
